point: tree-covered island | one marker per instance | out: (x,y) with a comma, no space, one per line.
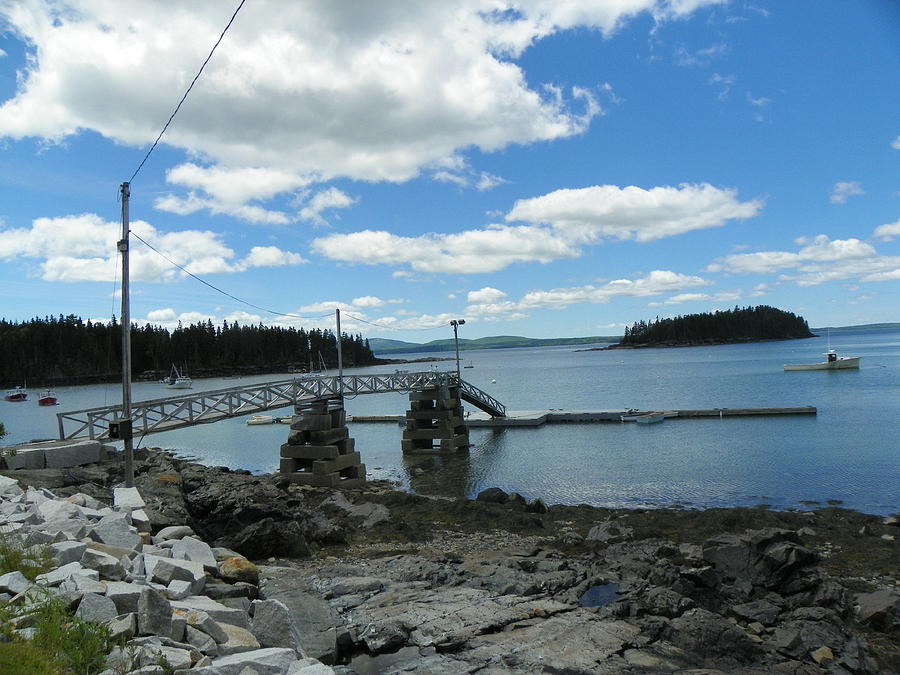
(750,324)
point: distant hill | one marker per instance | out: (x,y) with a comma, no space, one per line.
(382,346)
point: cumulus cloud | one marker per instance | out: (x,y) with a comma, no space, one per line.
(468,252)
(83,248)
(491,304)
(608,211)
(844,190)
(332,198)
(681,298)
(817,261)
(895,144)
(888,231)
(562,223)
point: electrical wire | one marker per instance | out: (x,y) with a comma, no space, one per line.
(219,290)
(191,86)
(381,325)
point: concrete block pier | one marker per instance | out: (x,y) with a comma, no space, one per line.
(319,450)
(434,422)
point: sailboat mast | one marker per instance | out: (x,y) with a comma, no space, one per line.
(126,341)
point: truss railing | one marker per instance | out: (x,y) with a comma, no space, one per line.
(205,407)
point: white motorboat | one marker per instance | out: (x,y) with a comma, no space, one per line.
(261,419)
(832,362)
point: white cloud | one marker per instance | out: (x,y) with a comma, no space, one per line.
(818,261)
(468,252)
(487,181)
(490,303)
(83,248)
(486,294)
(819,249)
(895,144)
(608,211)
(701,57)
(315,90)
(367,301)
(844,190)
(888,231)
(563,222)
(723,82)
(681,298)
(332,198)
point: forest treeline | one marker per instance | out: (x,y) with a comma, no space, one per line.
(733,325)
(64,350)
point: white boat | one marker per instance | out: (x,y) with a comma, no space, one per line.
(261,419)
(177,380)
(832,362)
(17,394)
(645,417)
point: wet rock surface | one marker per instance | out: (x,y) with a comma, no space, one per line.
(379,581)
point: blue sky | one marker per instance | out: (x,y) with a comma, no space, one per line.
(536,168)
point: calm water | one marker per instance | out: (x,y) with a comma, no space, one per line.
(849,452)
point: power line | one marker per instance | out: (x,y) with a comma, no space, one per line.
(216,288)
(381,325)
(183,98)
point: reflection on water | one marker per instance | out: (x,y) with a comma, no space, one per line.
(441,475)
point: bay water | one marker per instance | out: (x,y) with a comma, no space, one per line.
(849,453)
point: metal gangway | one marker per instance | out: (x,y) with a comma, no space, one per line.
(205,407)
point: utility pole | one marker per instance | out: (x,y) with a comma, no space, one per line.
(337,318)
(121,428)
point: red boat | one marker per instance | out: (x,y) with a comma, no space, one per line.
(47,398)
(17,394)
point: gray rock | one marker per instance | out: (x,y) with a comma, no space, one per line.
(154,613)
(173,532)
(761,611)
(239,640)
(313,618)
(201,641)
(266,661)
(272,626)
(57,576)
(14,583)
(203,622)
(125,596)
(703,633)
(96,608)
(122,628)
(107,566)
(880,609)
(190,548)
(115,531)
(64,552)
(216,610)
(9,487)
(165,570)
(128,498)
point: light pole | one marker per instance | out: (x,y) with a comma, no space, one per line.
(456,324)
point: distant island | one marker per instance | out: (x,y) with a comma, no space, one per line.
(750,324)
(384,346)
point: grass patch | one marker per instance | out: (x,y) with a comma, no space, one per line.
(61,644)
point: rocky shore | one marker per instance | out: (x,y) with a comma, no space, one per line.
(374,580)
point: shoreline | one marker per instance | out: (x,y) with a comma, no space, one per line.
(740,590)
(694,343)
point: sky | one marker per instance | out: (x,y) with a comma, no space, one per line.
(535,168)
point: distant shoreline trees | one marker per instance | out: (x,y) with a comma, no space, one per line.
(67,350)
(750,324)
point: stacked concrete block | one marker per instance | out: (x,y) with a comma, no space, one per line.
(319,450)
(434,422)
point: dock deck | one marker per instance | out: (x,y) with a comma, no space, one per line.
(536,418)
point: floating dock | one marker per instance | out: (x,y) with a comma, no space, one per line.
(536,418)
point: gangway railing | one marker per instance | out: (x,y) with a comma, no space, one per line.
(206,407)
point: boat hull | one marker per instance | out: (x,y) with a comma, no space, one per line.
(16,395)
(848,363)
(180,383)
(261,419)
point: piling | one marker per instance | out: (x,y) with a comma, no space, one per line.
(319,450)
(434,422)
